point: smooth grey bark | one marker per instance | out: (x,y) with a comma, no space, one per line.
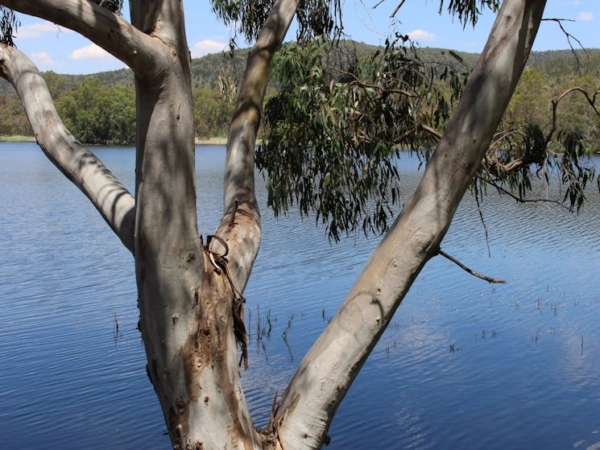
(327,371)
(112,200)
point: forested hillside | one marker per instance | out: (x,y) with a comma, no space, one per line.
(94,104)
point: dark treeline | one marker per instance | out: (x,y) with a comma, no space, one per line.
(100,109)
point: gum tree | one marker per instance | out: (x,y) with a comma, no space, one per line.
(190,288)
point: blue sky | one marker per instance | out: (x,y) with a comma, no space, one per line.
(61,50)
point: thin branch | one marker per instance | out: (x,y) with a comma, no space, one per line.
(569,37)
(397,9)
(435,133)
(468,270)
(485,230)
(381,89)
(523,200)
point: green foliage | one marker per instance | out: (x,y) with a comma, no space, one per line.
(13,120)
(97,114)
(212,112)
(334,130)
(550,127)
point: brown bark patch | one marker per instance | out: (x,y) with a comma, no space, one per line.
(178,423)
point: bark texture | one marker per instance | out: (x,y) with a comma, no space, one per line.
(327,371)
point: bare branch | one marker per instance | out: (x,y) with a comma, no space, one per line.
(82,167)
(569,38)
(522,200)
(471,271)
(485,229)
(396,9)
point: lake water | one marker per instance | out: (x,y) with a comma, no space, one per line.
(464,364)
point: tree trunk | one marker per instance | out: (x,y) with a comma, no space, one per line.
(185,296)
(327,371)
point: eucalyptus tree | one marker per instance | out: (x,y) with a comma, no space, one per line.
(190,287)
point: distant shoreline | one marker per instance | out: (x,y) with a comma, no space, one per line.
(212,141)
(209,141)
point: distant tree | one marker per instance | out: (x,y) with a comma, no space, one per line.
(12,120)
(190,286)
(531,101)
(98,114)
(212,112)
(57,84)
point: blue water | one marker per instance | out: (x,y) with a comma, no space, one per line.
(463,365)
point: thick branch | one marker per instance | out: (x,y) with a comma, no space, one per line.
(240,226)
(82,167)
(106,29)
(327,371)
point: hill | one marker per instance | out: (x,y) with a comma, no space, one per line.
(207,69)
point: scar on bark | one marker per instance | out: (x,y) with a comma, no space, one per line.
(221,265)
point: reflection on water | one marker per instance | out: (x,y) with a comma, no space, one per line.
(463,365)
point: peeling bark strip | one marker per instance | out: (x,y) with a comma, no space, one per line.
(221,265)
(327,371)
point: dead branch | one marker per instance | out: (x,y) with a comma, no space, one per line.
(468,270)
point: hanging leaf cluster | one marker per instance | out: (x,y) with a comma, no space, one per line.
(112,5)
(335,129)
(315,17)
(468,11)
(525,155)
(8,25)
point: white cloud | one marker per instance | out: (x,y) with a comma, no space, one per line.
(43,59)
(36,30)
(207,46)
(585,16)
(421,35)
(91,52)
